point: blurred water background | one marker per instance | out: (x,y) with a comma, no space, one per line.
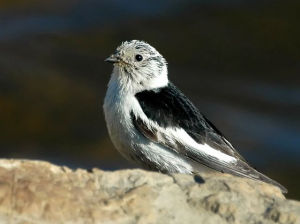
(238,60)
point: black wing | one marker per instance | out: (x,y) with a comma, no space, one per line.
(168,106)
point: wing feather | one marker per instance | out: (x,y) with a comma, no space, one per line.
(169,107)
(176,143)
(178,125)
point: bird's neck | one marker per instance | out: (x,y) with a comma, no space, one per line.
(127,84)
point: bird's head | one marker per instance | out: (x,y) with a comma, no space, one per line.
(139,64)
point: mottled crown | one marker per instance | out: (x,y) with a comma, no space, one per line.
(128,51)
(139,63)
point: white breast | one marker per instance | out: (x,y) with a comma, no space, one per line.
(118,104)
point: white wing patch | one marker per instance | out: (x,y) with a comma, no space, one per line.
(173,135)
(184,138)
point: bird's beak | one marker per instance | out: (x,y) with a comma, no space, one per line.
(112,59)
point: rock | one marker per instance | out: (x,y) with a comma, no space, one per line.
(39,192)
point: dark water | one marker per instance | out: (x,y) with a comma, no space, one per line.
(238,61)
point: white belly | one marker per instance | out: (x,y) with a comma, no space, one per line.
(117,117)
(133,145)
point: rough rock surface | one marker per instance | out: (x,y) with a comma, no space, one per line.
(39,192)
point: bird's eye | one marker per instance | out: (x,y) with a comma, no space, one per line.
(139,57)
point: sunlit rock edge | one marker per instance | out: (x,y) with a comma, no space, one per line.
(40,192)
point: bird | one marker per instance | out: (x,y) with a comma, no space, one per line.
(152,123)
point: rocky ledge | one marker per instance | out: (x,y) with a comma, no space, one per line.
(40,192)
